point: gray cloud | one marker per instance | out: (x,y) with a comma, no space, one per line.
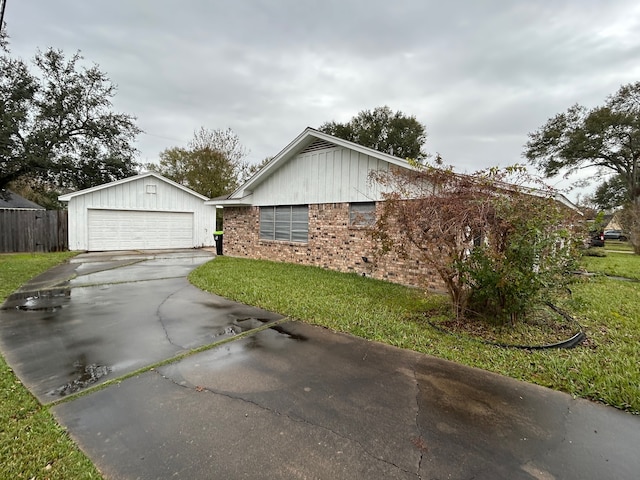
(479,74)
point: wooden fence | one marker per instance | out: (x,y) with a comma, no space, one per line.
(33,230)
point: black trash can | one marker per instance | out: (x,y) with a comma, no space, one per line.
(217,236)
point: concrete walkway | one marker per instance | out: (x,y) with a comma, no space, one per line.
(277,398)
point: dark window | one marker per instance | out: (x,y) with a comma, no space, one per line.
(288,223)
(362,214)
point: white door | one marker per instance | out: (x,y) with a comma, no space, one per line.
(139,230)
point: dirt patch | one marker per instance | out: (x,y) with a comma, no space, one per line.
(542,326)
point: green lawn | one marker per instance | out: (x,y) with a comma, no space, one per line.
(605,368)
(618,246)
(614,263)
(32,444)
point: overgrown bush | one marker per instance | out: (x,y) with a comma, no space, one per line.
(497,245)
(526,254)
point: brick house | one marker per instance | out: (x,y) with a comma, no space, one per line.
(314,204)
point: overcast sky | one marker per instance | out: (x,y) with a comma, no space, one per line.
(479,74)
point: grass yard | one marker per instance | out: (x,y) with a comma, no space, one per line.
(616,264)
(32,444)
(618,246)
(604,369)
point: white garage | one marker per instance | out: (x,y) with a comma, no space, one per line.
(145,212)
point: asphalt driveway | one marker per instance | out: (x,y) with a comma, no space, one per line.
(273,398)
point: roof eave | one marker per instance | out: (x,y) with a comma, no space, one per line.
(245,201)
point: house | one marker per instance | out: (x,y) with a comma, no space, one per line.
(313,204)
(612,221)
(10,201)
(147,211)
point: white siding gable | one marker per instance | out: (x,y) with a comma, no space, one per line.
(138,195)
(329,175)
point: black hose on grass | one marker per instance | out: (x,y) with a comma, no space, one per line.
(572,342)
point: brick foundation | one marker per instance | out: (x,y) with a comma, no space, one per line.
(332,244)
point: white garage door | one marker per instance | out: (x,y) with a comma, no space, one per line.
(139,230)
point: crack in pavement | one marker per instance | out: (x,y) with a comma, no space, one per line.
(167,361)
(199,389)
(160,319)
(107,269)
(566,417)
(419,443)
(122,282)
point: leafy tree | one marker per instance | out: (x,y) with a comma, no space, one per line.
(496,246)
(43,194)
(3,37)
(212,163)
(607,137)
(58,129)
(611,193)
(630,219)
(383,130)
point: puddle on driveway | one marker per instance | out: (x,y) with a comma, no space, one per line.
(273,338)
(44,301)
(247,324)
(257,362)
(86,375)
(276,337)
(235,328)
(281,330)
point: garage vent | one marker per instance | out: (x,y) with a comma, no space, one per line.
(319,145)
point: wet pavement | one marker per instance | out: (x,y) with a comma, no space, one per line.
(289,401)
(102,317)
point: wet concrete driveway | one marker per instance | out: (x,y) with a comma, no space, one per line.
(289,401)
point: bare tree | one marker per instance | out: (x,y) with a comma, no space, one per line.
(212,164)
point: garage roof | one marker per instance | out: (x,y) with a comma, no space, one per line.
(69,196)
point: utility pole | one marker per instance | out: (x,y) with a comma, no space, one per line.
(3,4)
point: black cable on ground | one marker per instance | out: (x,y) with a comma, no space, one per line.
(571,342)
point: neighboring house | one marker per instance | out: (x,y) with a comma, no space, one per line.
(612,221)
(313,204)
(26,226)
(11,201)
(146,211)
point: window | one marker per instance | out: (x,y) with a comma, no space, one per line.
(362,214)
(288,223)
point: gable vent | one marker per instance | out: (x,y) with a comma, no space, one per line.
(319,145)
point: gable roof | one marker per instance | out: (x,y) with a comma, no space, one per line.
(312,139)
(307,139)
(11,200)
(69,196)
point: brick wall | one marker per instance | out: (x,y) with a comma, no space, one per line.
(332,244)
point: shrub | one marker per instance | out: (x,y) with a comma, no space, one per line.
(497,246)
